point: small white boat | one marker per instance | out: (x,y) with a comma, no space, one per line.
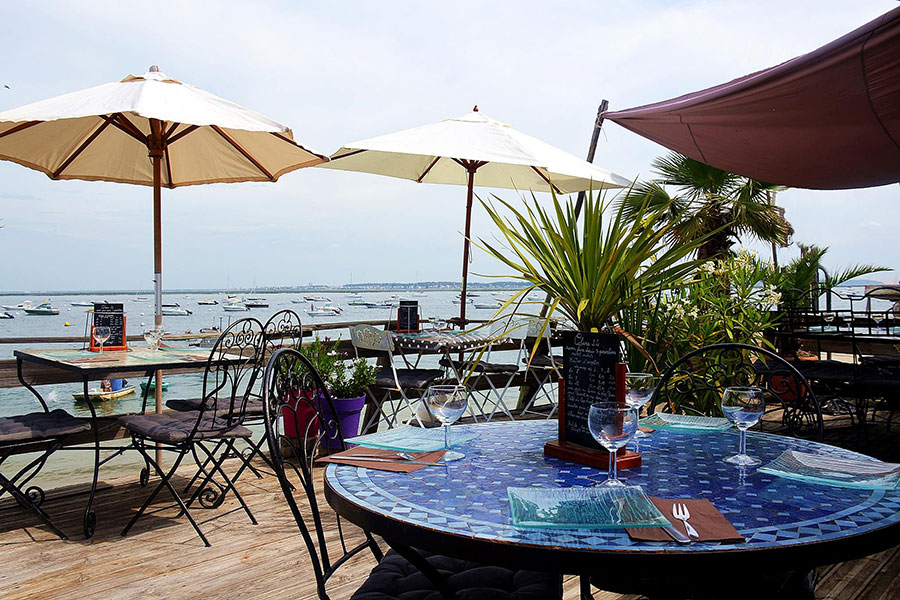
(81,303)
(207,302)
(298,301)
(323,311)
(170,305)
(316,299)
(233,307)
(98,394)
(19,306)
(7,315)
(175,312)
(357,301)
(484,306)
(419,295)
(43,308)
(256,304)
(140,298)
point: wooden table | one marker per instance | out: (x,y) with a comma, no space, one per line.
(462,510)
(93,366)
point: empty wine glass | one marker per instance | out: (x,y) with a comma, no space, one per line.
(612,425)
(101,334)
(152,337)
(743,406)
(447,403)
(638,390)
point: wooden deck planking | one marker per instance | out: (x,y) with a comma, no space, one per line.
(163,558)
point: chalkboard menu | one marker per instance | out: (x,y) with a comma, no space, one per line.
(589,374)
(113,316)
(408,316)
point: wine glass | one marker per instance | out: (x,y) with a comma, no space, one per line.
(612,425)
(743,406)
(828,317)
(152,336)
(638,390)
(447,403)
(101,334)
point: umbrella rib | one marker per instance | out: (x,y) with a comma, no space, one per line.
(545,178)
(246,155)
(168,168)
(19,127)
(351,153)
(80,149)
(122,122)
(425,172)
(181,133)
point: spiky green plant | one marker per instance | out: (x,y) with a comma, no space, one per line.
(593,266)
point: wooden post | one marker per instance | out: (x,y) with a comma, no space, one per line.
(156,146)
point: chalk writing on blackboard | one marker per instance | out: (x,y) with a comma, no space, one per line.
(408,316)
(589,373)
(112,315)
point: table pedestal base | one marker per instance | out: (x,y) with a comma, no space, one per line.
(625,459)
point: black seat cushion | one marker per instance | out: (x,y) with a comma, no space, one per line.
(396,578)
(542,361)
(829,371)
(40,426)
(176,427)
(254,406)
(481,367)
(408,378)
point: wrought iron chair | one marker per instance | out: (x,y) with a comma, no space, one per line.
(294,397)
(227,388)
(542,368)
(391,383)
(695,382)
(43,432)
(284,326)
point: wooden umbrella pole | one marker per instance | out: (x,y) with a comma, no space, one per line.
(157,150)
(465,267)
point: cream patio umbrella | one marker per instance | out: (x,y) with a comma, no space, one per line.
(150,130)
(454,150)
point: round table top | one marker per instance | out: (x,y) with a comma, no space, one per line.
(467,501)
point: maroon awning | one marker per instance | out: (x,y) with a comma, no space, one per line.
(829,119)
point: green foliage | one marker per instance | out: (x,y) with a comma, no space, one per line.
(328,361)
(593,269)
(708,202)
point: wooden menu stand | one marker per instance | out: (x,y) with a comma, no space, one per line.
(593,457)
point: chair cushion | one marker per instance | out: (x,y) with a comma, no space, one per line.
(827,370)
(254,406)
(176,427)
(396,578)
(481,367)
(408,378)
(542,361)
(40,426)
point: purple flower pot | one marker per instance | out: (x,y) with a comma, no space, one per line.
(348,410)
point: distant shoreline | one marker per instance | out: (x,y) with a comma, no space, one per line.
(361,288)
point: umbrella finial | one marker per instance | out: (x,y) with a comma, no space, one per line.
(475,109)
(154,69)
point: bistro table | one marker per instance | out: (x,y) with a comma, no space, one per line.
(462,509)
(94,366)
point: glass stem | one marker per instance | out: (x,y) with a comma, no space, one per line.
(612,466)
(743,449)
(447,436)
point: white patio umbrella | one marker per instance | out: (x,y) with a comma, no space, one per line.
(454,150)
(150,130)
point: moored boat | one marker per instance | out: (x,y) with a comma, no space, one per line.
(208,302)
(43,308)
(176,312)
(165,386)
(98,394)
(7,315)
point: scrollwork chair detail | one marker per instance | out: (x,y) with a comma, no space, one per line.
(694,384)
(294,394)
(228,382)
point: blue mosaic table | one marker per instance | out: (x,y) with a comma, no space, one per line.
(463,509)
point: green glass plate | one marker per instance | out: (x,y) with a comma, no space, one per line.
(686,422)
(583,508)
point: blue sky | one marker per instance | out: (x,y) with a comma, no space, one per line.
(342,71)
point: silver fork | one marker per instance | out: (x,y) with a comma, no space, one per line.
(681,512)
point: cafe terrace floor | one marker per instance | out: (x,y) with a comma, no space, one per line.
(164,558)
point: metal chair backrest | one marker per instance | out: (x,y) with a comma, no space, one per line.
(283,329)
(230,375)
(293,400)
(695,382)
(367,337)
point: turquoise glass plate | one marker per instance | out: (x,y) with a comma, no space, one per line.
(583,508)
(686,422)
(830,470)
(411,439)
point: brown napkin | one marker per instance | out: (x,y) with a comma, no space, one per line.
(397,466)
(93,359)
(646,429)
(706,519)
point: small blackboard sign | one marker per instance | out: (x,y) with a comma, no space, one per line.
(110,315)
(589,375)
(408,316)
